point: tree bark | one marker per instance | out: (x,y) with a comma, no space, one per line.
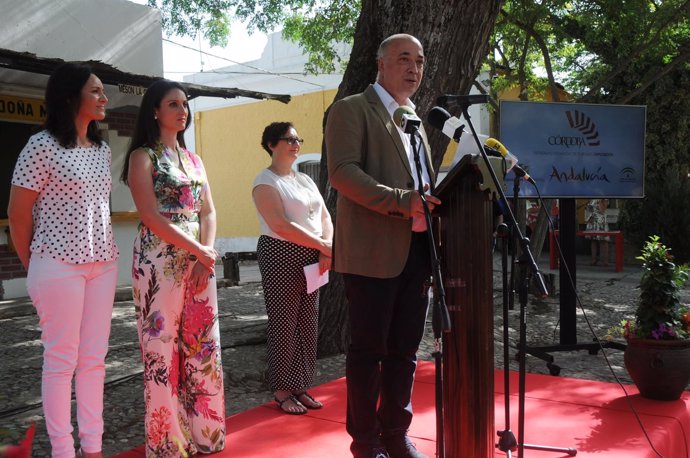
(455,35)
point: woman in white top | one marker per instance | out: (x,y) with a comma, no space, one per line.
(296,230)
(59,216)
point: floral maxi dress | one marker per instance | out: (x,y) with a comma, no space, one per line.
(178,330)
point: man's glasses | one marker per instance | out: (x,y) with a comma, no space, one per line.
(292,140)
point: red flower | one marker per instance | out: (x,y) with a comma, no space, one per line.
(198,317)
(159,425)
(174,377)
(186,197)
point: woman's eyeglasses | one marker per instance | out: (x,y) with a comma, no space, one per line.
(292,140)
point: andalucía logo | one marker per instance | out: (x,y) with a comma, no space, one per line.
(626,175)
(585,125)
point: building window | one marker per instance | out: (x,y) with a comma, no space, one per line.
(311,168)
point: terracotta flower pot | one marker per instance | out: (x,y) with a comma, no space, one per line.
(659,368)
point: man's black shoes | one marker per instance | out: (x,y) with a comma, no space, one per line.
(379,453)
(373,453)
(402,447)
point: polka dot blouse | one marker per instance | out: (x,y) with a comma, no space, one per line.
(72,212)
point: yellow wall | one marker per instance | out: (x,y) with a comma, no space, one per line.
(229,141)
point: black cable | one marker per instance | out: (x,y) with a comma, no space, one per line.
(589,324)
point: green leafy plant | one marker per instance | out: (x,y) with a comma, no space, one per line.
(660,314)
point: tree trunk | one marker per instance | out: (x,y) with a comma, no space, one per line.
(455,35)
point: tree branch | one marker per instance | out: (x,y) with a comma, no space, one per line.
(653,76)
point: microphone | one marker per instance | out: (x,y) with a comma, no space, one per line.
(461,100)
(495,145)
(443,121)
(407,119)
(519,171)
(491,152)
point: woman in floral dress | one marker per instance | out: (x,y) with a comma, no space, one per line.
(172,281)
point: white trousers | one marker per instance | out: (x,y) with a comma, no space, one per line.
(74,304)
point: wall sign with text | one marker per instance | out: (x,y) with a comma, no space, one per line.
(21,109)
(577,150)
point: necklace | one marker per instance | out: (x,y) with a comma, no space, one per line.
(289,173)
(311,211)
(311,202)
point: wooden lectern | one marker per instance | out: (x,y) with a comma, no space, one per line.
(464,229)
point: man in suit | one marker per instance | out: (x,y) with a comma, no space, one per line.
(381,248)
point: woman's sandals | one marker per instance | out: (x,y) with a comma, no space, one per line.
(307,400)
(290,405)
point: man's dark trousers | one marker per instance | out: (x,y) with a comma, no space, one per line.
(387,319)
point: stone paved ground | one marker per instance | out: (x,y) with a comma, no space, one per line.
(606,296)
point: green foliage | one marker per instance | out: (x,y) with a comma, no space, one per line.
(665,211)
(318,26)
(600,51)
(320,33)
(660,314)
(516,56)
(191,17)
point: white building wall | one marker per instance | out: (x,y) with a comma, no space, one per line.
(117,32)
(120,33)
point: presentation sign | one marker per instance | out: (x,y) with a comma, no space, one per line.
(576,150)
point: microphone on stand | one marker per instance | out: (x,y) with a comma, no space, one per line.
(461,100)
(519,171)
(406,119)
(443,121)
(495,144)
(497,147)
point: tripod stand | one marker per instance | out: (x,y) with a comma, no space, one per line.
(567,273)
(507,440)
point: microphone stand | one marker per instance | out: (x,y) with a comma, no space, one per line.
(507,442)
(527,260)
(440,319)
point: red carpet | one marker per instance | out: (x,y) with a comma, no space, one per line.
(592,417)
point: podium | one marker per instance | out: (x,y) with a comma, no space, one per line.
(464,234)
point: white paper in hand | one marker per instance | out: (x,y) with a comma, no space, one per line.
(314,279)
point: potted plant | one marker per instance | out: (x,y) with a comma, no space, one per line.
(657,356)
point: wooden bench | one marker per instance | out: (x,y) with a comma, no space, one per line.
(617,237)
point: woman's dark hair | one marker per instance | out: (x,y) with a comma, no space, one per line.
(272,134)
(146,131)
(63,99)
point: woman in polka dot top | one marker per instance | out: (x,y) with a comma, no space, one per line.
(172,281)
(59,214)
